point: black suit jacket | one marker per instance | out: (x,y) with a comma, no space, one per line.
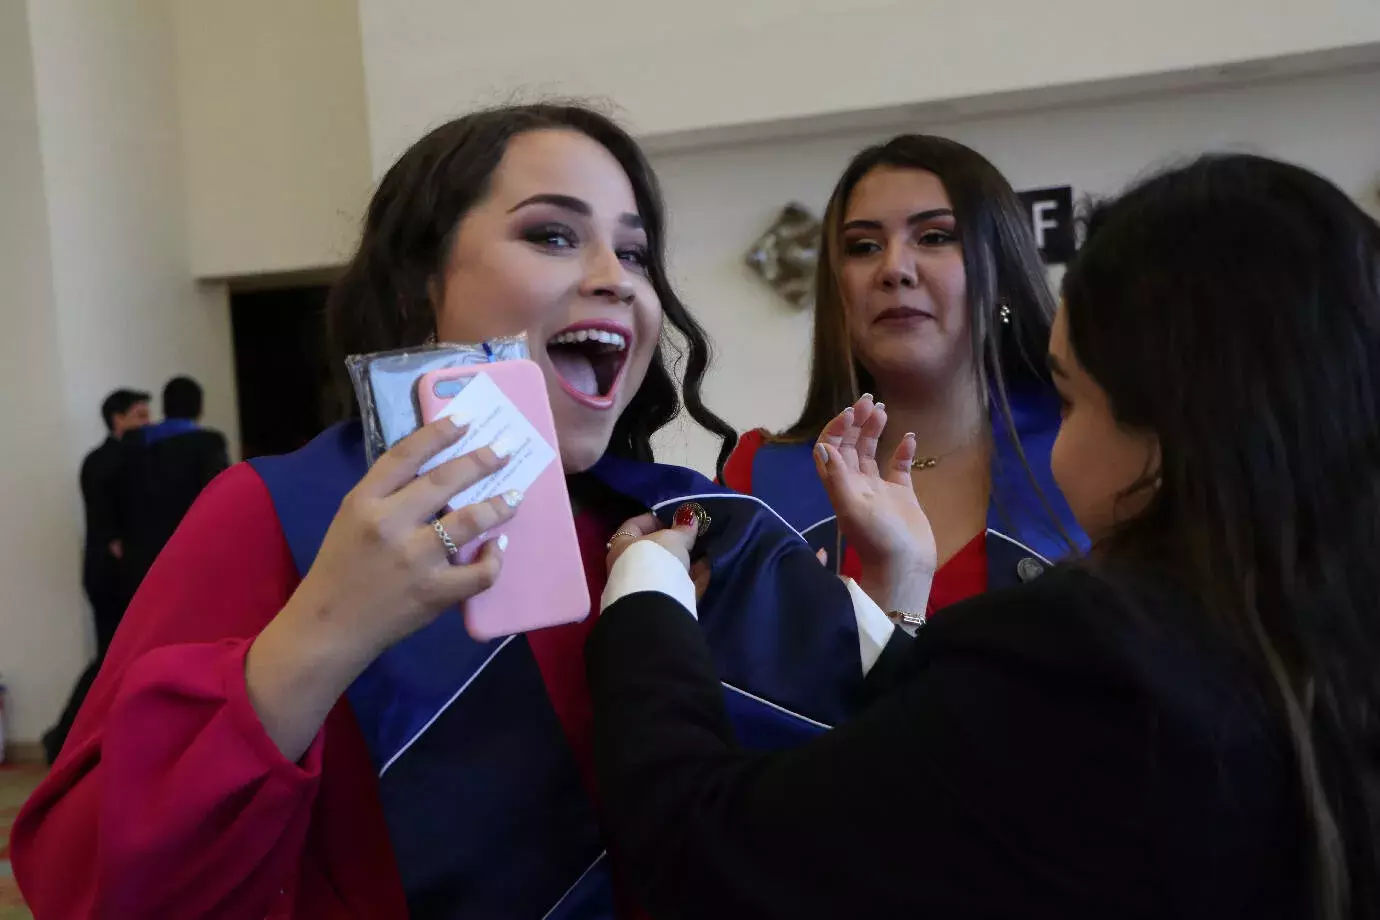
(159,483)
(100,480)
(1037,752)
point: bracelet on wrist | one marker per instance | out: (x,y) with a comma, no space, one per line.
(905,618)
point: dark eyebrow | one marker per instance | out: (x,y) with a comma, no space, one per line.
(1055,367)
(576,206)
(917,218)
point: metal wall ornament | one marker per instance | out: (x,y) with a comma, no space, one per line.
(785,256)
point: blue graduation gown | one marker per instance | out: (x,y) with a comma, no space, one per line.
(486,811)
(1027,522)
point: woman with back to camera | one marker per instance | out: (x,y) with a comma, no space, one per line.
(292,722)
(930,294)
(1182,725)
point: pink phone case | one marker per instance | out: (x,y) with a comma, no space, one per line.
(543,578)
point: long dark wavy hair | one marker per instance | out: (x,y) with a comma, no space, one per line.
(1232,308)
(384,299)
(1000,261)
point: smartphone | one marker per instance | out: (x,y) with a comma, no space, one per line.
(543,579)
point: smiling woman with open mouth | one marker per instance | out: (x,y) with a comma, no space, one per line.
(289,726)
(589,359)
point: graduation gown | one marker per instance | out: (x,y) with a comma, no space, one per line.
(1029,524)
(444,783)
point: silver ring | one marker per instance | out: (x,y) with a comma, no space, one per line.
(451,549)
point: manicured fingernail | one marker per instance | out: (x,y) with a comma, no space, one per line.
(910,436)
(502,542)
(848,415)
(457,421)
(503,447)
(512,498)
(881,405)
(823,453)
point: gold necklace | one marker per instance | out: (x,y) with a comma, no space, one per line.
(928,463)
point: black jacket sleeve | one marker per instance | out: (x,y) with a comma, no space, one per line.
(214,457)
(100,474)
(1001,779)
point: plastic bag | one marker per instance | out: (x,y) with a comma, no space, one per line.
(385,384)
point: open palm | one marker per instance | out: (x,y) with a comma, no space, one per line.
(878,513)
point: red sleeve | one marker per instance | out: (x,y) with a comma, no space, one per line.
(169,798)
(738,469)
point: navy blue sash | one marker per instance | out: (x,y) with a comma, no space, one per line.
(485,808)
(1024,525)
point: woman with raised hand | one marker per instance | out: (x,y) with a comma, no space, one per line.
(931,296)
(1181,725)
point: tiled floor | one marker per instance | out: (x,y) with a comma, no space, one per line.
(15,785)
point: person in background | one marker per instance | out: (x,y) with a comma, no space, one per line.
(1181,725)
(293,720)
(931,295)
(164,467)
(124,411)
(102,573)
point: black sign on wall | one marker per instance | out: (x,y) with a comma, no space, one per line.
(1050,211)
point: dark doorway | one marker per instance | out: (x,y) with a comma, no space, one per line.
(282,367)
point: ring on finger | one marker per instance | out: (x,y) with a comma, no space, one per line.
(622,533)
(451,549)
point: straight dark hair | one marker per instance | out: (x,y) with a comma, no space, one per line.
(1010,304)
(1232,308)
(120,402)
(182,398)
(384,299)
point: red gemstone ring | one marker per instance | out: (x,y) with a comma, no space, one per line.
(692,514)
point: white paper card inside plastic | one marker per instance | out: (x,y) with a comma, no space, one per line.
(494,421)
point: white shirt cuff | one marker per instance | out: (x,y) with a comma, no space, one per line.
(645,566)
(874,626)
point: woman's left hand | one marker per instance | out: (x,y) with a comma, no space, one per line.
(877,511)
(678,541)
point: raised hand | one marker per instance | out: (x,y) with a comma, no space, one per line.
(383,572)
(878,513)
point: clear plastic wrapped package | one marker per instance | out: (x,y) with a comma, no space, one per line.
(498,398)
(385,384)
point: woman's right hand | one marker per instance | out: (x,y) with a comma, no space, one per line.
(382,573)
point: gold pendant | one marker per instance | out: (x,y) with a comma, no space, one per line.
(924,463)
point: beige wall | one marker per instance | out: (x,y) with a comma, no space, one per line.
(105,298)
(678,68)
(720,200)
(129,311)
(274,132)
(41,630)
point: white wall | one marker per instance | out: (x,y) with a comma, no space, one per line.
(720,200)
(110,301)
(274,132)
(41,631)
(128,309)
(677,68)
